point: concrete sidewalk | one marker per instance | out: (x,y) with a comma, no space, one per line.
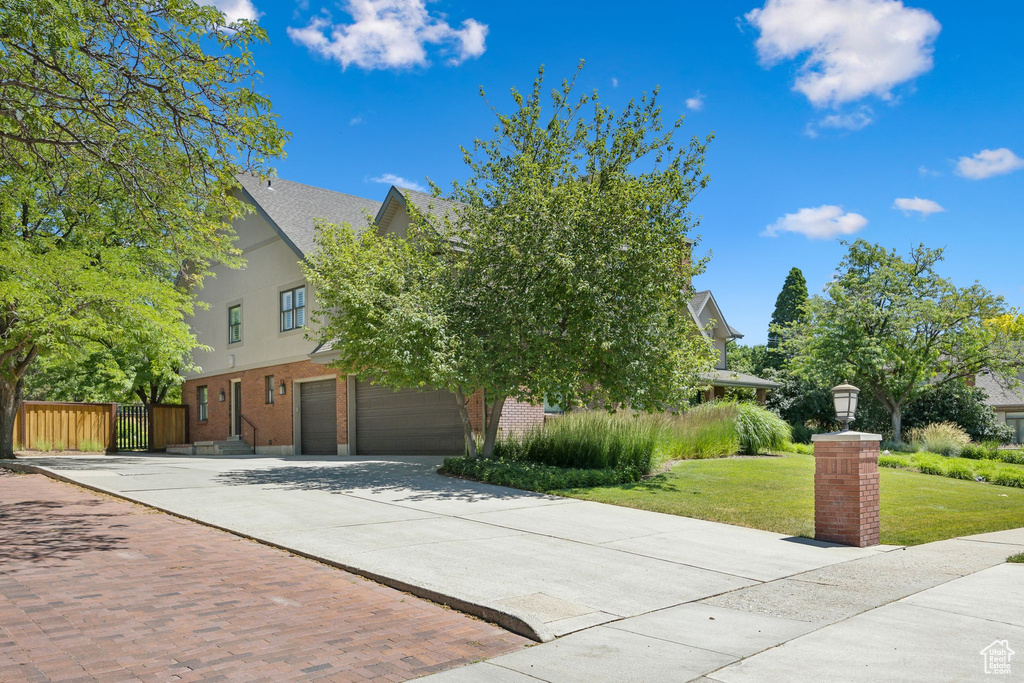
(540,565)
(921,614)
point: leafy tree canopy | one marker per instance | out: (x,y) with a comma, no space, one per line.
(563,272)
(893,325)
(122,126)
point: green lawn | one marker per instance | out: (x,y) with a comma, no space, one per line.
(777,494)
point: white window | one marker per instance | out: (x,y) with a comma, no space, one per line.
(234,324)
(293,309)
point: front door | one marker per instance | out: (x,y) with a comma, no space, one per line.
(236,408)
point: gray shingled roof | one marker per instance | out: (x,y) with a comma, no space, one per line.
(294,208)
(429,204)
(730,378)
(699,299)
(998,393)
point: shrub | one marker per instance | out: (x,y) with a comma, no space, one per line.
(532,476)
(760,431)
(801,448)
(43,445)
(91,446)
(1008,477)
(959,470)
(58,445)
(975,451)
(947,402)
(944,438)
(1017,559)
(1015,457)
(586,439)
(898,447)
(929,463)
(894,461)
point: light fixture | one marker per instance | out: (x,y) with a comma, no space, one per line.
(281,389)
(845,397)
(222,397)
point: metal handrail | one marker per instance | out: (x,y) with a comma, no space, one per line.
(249,422)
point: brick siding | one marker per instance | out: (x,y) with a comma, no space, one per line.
(274,422)
(274,425)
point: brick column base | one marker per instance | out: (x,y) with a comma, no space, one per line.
(846,502)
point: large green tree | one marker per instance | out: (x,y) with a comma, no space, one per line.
(789,310)
(122,126)
(893,326)
(562,270)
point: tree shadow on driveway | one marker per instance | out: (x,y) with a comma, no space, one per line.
(41,530)
(411,480)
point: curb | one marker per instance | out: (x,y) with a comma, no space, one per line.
(506,620)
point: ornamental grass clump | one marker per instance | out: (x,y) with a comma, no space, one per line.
(760,430)
(944,438)
(586,439)
(704,431)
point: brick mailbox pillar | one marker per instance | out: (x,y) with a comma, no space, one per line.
(846,501)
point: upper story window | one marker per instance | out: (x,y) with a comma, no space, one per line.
(293,309)
(235,324)
(202,404)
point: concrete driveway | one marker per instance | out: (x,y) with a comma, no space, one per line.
(542,566)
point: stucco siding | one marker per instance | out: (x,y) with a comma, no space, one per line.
(271,266)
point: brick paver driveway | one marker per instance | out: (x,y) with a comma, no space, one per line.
(93,588)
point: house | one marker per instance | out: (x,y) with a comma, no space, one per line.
(1008,402)
(710,319)
(263,385)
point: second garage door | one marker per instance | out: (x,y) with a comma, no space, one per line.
(407,422)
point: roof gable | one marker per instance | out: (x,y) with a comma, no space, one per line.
(293,209)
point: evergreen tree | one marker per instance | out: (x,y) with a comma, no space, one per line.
(789,309)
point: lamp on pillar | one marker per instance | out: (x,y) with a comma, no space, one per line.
(845,398)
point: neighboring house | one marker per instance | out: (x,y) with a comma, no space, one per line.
(1008,402)
(263,382)
(709,317)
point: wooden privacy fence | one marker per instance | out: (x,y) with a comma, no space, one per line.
(113,427)
(168,425)
(56,424)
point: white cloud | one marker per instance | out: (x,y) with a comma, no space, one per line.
(925,172)
(853,48)
(356,121)
(235,9)
(855,120)
(823,222)
(390,34)
(989,162)
(398,181)
(615,82)
(925,207)
(695,103)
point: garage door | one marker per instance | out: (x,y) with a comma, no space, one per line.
(318,418)
(407,422)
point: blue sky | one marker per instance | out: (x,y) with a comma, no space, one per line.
(825,112)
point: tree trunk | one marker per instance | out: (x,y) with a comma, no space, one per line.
(10,404)
(897,424)
(467,424)
(12,388)
(493,417)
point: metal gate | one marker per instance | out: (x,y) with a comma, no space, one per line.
(132,427)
